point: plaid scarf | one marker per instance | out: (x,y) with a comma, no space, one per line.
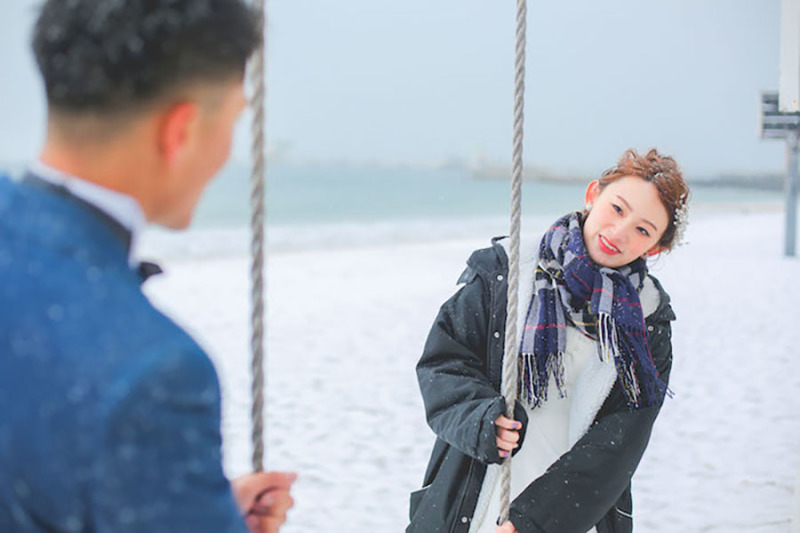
(602,302)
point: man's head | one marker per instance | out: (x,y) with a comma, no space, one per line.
(114,57)
(156,84)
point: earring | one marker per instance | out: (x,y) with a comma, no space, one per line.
(588,206)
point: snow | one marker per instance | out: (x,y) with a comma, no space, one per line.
(346,326)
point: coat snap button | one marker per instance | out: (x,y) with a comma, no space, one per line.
(650,328)
(464,519)
(500,277)
(496,334)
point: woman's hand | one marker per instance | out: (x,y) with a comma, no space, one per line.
(507,435)
(508,527)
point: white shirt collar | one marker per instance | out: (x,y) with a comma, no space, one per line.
(121,207)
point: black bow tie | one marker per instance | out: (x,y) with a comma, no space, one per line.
(146,269)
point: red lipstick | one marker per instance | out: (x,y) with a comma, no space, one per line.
(607,247)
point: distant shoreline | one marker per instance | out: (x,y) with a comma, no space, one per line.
(764,181)
(760,181)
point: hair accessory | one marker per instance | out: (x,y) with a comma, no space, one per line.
(681,220)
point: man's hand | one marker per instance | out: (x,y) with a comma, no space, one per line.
(264,499)
(508,527)
(507,435)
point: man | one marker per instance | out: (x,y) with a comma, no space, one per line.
(109,412)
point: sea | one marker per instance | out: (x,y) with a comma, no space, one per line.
(325,205)
(346,205)
(316,194)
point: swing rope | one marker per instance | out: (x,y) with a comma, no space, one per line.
(510,358)
(258,238)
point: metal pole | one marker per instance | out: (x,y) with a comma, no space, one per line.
(791,194)
(795,527)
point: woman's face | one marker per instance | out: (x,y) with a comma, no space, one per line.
(626,220)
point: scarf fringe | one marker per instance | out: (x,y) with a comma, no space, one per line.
(611,348)
(534,384)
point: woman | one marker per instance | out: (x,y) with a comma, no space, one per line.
(594,358)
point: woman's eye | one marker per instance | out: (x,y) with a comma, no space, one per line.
(644,232)
(617,208)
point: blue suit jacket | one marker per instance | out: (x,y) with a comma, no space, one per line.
(109,412)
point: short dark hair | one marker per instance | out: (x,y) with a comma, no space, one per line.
(106,56)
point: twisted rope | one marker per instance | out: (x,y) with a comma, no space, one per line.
(510,366)
(257,242)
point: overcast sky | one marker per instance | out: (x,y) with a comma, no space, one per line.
(420,81)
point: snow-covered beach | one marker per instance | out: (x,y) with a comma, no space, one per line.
(346,324)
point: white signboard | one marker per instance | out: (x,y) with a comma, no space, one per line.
(789,101)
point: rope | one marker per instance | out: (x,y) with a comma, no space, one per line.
(510,368)
(257,242)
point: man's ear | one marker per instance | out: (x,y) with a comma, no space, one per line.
(592,192)
(174,133)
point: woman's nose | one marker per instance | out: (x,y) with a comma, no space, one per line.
(619,232)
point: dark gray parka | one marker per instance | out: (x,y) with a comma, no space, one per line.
(459,376)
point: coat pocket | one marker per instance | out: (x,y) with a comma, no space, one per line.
(623,514)
(450,490)
(623,509)
(619,518)
(416,498)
